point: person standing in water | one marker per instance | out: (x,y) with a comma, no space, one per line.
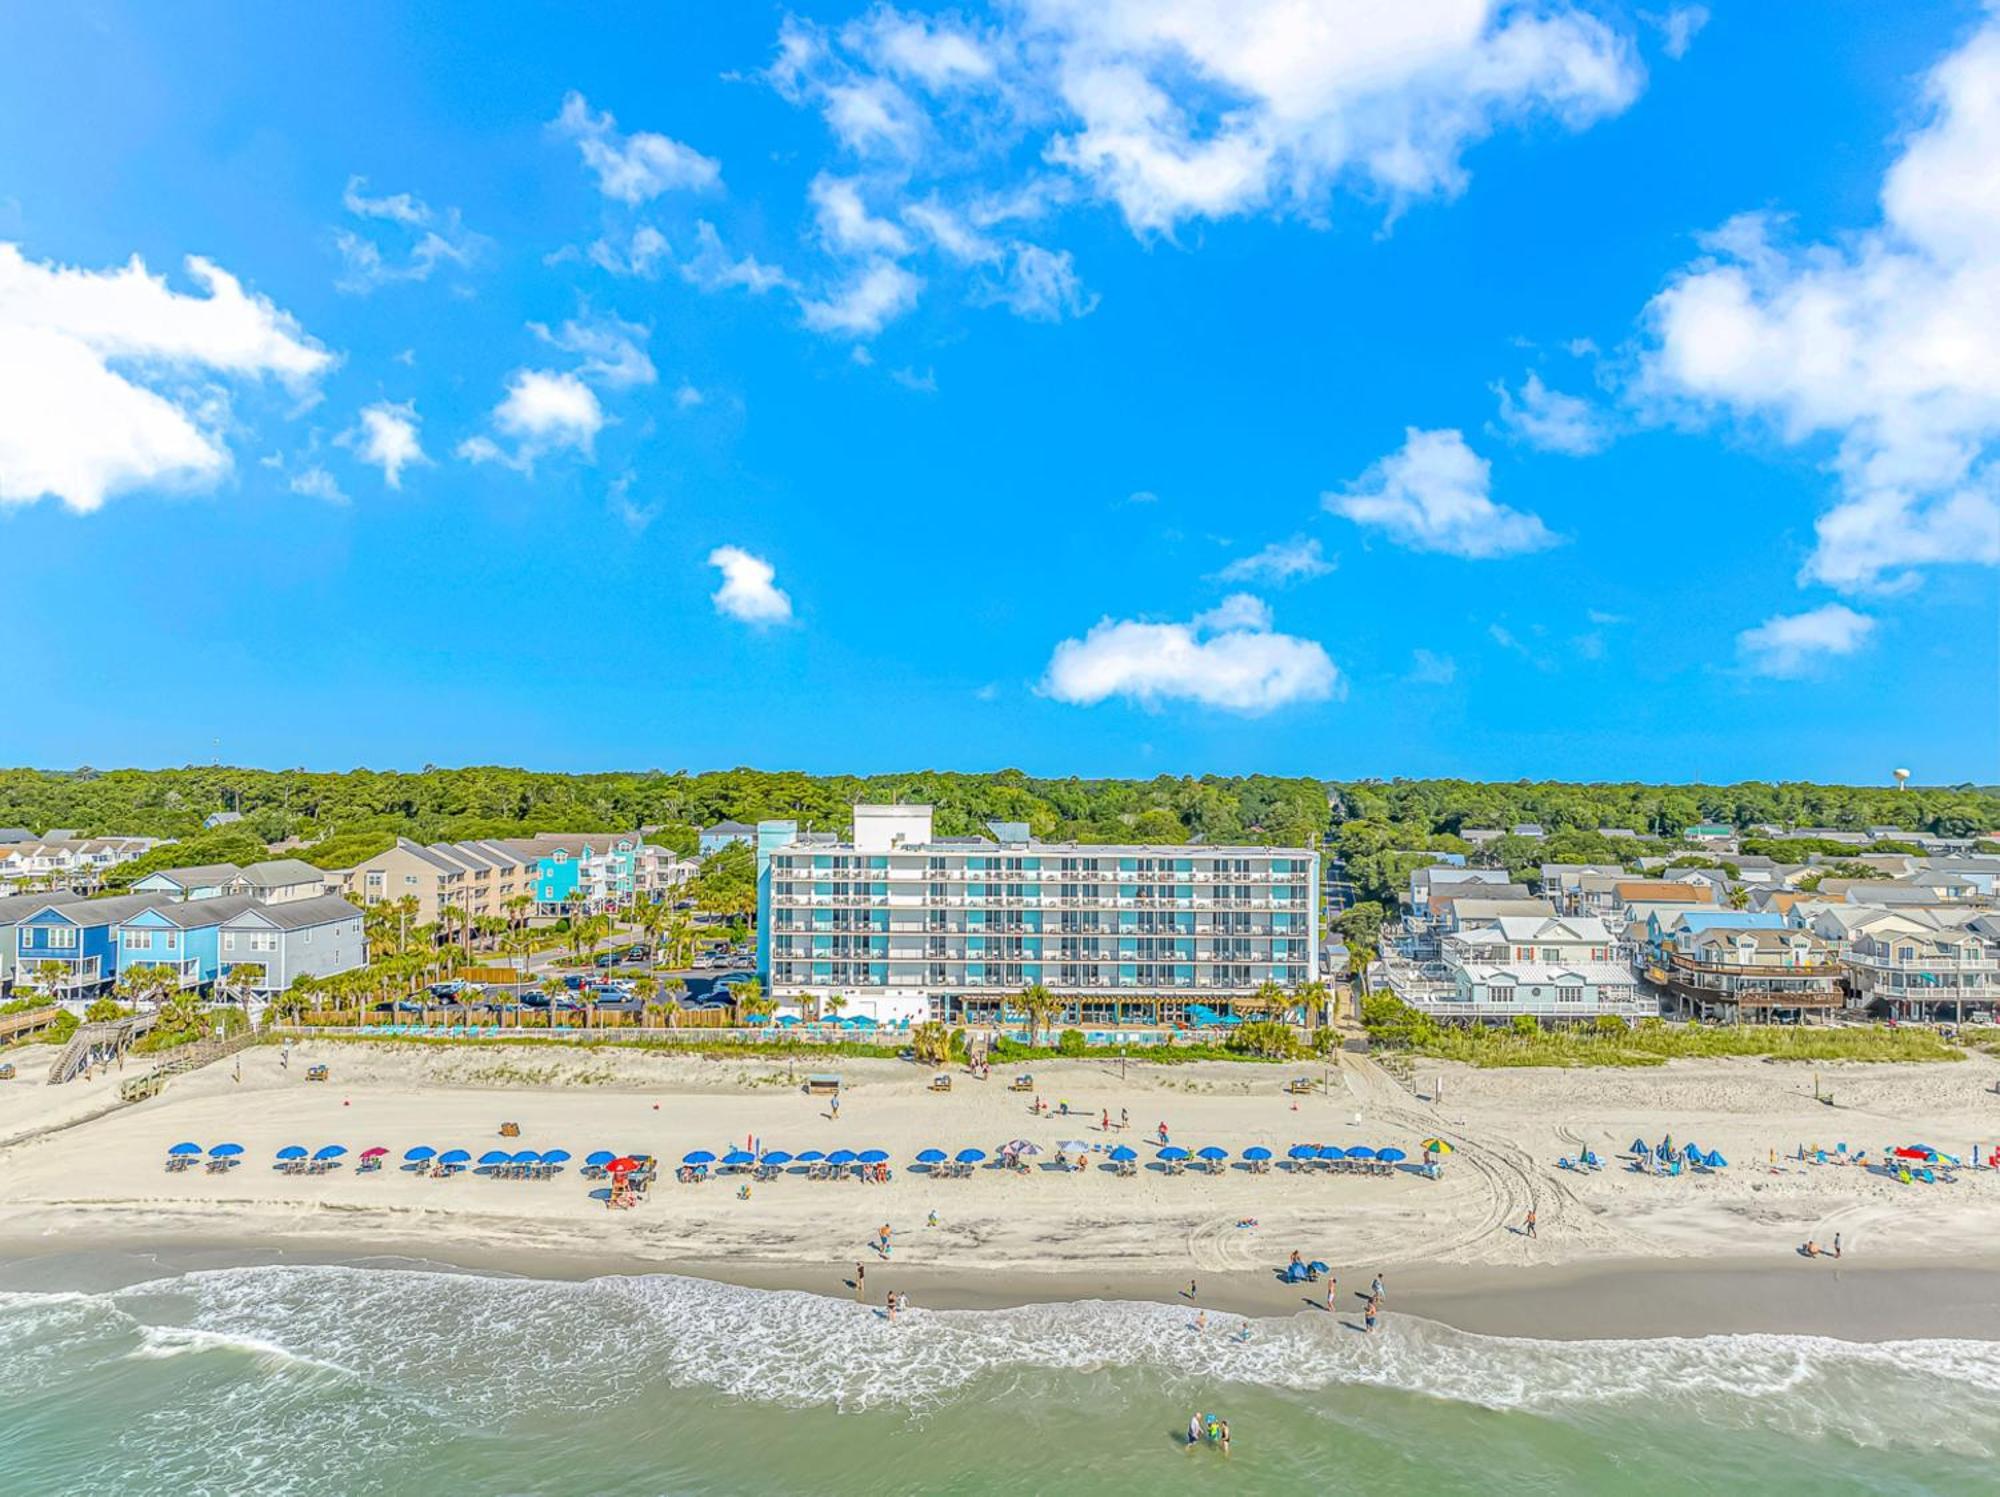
(1223,1438)
(1368,1315)
(1194,1429)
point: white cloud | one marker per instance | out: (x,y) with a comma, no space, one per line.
(1279,562)
(387,437)
(316,483)
(544,412)
(1551,420)
(434,239)
(1433,495)
(932,52)
(633,168)
(872,116)
(611,350)
(872,299)
(1042,286)
(687,397)
(1181,109)
(640,255)
(712,269)
(951,233)
(1794,644)
(1229,658)
(109,381)
(1677,28)
(749,590)
(1882,341)
(846,226)
(1428,668)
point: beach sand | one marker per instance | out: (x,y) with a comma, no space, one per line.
(1616,1253)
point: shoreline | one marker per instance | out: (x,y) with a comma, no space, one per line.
(1613,1299)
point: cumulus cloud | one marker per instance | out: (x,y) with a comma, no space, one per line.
(1880,341)
(845,224)
(635,168)
(1229,658)
(1551,420)
(641,253)
(316,483)
(1434,495)
(110,381)
(431,239)
(1280,562)
(1796,644)
(1042,286)
(749,590)
(1677,28)
(387,437)
(543,411)
(611,351)
(712,268)
(874,297)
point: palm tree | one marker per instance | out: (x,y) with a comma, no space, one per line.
(834,1003)
(676,990)
(751,1002)
(52,977)
(183,1013)
(930,1042)
(450,921)
(1314,998)
(246,978)
(1041,1007)
(1268,999)
(553,988)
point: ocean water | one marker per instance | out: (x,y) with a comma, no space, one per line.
(332,1381)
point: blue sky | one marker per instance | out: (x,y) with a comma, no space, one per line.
(1110,388)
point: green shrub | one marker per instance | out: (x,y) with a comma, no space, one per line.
(1071,1043)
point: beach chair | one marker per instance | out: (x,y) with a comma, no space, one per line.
(940,1083)
(1021,1084)
(1299,1086)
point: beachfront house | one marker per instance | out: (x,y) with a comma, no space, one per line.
(200,881)
(291,939)
(13,909)
(1559,968)
(80,936)
(713,839)
(1926,963)
(181,935)
(1735,972)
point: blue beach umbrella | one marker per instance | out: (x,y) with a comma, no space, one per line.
(419,1154)
(1257,1152)
(1391,1156)
(183,1150)
(1173,1152)
(1715,1161)
(809,1156)
(495,1156)
(699,1156)
(556,1156)
(455,1156)
(524,1156)
(331,1151)
(1124,1154)
(598,1158)
(225,1151)
(1316,1266)
(1359,1151)
(931,1156)
(739,1156)
(873,1156)
(1302,1152)
(776,1157)
(970,1156)
(1330,1152)
(291,1151)
(841,1157)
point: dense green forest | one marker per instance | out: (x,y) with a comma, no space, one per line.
(1376,823)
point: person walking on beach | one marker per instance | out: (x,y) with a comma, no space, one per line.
(1529,1225)
(1368,1316)
(1331,1284)
(1836,1244)
(1104,1123)
(860,1279)
(1163,1135)
(882,1239)
(1124,1119)
(834,1107)
(1375,1289)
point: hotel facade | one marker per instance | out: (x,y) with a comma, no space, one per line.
(904,924)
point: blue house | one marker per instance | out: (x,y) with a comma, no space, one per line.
(182,935)
(1663,926)
(81,934)
(723,834)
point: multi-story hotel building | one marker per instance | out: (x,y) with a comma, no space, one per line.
(905,924)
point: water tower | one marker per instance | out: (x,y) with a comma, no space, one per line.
(1902,778)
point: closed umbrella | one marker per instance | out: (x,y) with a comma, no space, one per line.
(1715,1161)
(419,1154)
(331,1151)
(1639,1147)
(291,1151)
(182,1151)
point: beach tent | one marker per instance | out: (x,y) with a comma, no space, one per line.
(1715,1161)
(1639,1146)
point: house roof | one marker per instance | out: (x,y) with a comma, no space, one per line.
(275,873)
(19,906)
(1662,891)
(1547,927)
(322,909)
(196,875)
(193,913)
(726,828)
(222,818)
(98,911)
(16,834)
(1693,921)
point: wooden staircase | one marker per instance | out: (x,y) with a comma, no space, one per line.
(186,1058)
(114,1035)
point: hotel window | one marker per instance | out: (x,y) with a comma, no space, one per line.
(1500,995)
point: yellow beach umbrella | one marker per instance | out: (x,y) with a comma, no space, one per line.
(1436,1146)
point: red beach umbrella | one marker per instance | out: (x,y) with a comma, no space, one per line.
(375,1153)
(622,1166)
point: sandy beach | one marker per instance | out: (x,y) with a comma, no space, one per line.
(1615,1253)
